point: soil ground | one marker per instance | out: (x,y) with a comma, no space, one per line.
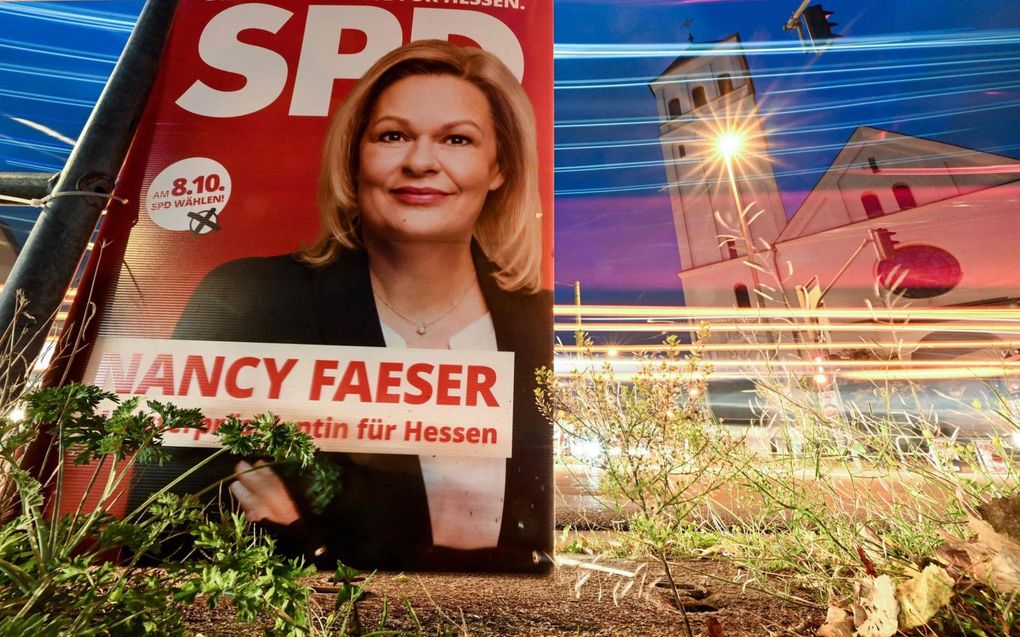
(571,602)
(574,601)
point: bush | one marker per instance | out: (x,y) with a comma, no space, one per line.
(55,575)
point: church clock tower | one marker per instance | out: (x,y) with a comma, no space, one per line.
(702,98)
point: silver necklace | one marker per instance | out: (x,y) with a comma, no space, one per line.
(421,327)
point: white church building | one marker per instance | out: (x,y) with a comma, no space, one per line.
(951,211)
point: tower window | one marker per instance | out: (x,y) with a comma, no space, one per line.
(725,84)
(680,151)
(698,96)
(743,297)
(904,196)
(731,248)
(872,206)
(673,106)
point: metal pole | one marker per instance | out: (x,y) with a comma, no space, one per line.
(577,303)
(47,263)
(749,248)
(25,185)
(794,21)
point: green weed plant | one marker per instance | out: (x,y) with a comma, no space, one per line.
(56,573)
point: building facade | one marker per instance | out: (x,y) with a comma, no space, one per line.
(894,221)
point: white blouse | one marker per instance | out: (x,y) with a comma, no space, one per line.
(465,495)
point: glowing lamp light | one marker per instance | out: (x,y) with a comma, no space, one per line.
(17,414)
(729,145)
(821,379)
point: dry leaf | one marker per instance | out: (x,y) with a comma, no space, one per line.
(923,595)
(715,629)
(976,559)
(995,557)
(988,535)
(860,616)
(838,623)
(877,599)
(1004,515)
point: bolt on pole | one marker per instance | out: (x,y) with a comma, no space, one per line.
(47,263)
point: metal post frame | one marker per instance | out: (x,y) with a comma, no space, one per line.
(47,263)
(25,185)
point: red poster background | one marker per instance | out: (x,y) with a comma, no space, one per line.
(141,275)
(273,161)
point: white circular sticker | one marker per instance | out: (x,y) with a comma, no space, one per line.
(189,195)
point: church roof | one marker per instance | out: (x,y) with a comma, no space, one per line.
(956,169)
(695,48)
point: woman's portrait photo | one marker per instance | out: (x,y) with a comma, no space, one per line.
(430,238)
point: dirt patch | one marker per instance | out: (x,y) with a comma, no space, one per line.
(571,602)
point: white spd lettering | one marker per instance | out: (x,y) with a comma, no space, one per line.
(320,64)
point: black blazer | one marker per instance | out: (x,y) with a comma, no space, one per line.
(381,518)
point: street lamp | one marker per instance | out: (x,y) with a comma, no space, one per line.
(730,145)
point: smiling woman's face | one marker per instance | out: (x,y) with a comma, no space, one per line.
(427,161)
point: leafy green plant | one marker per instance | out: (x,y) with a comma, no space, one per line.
(55,575)
(661,454)
(819,503)
(862,495)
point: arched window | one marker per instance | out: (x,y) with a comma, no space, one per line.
(743,297)
(725,84)
(872,206)
(673,106)
(904,196)
(698,96)
(731,248)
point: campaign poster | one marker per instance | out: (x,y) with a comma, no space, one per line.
(341,213)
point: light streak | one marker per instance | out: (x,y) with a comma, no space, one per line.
(998,169)
(100,20)
(49,149)
(848,125)
(810,108)
(700,312)
(960,373)
(1007,367)
(45,130)
(928,40)
(957,373)
(21,69)
(1011,368)
(42,49)
(825,71)
(31,165)
(749,370)
(654,328)
(770,347)
(692,159)
(47,99)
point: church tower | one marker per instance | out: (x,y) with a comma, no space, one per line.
(703,98)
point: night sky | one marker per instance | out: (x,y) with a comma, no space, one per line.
(921,68)
(940,69)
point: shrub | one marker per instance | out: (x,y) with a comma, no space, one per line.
(55,575)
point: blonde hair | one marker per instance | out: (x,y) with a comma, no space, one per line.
(508,229)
